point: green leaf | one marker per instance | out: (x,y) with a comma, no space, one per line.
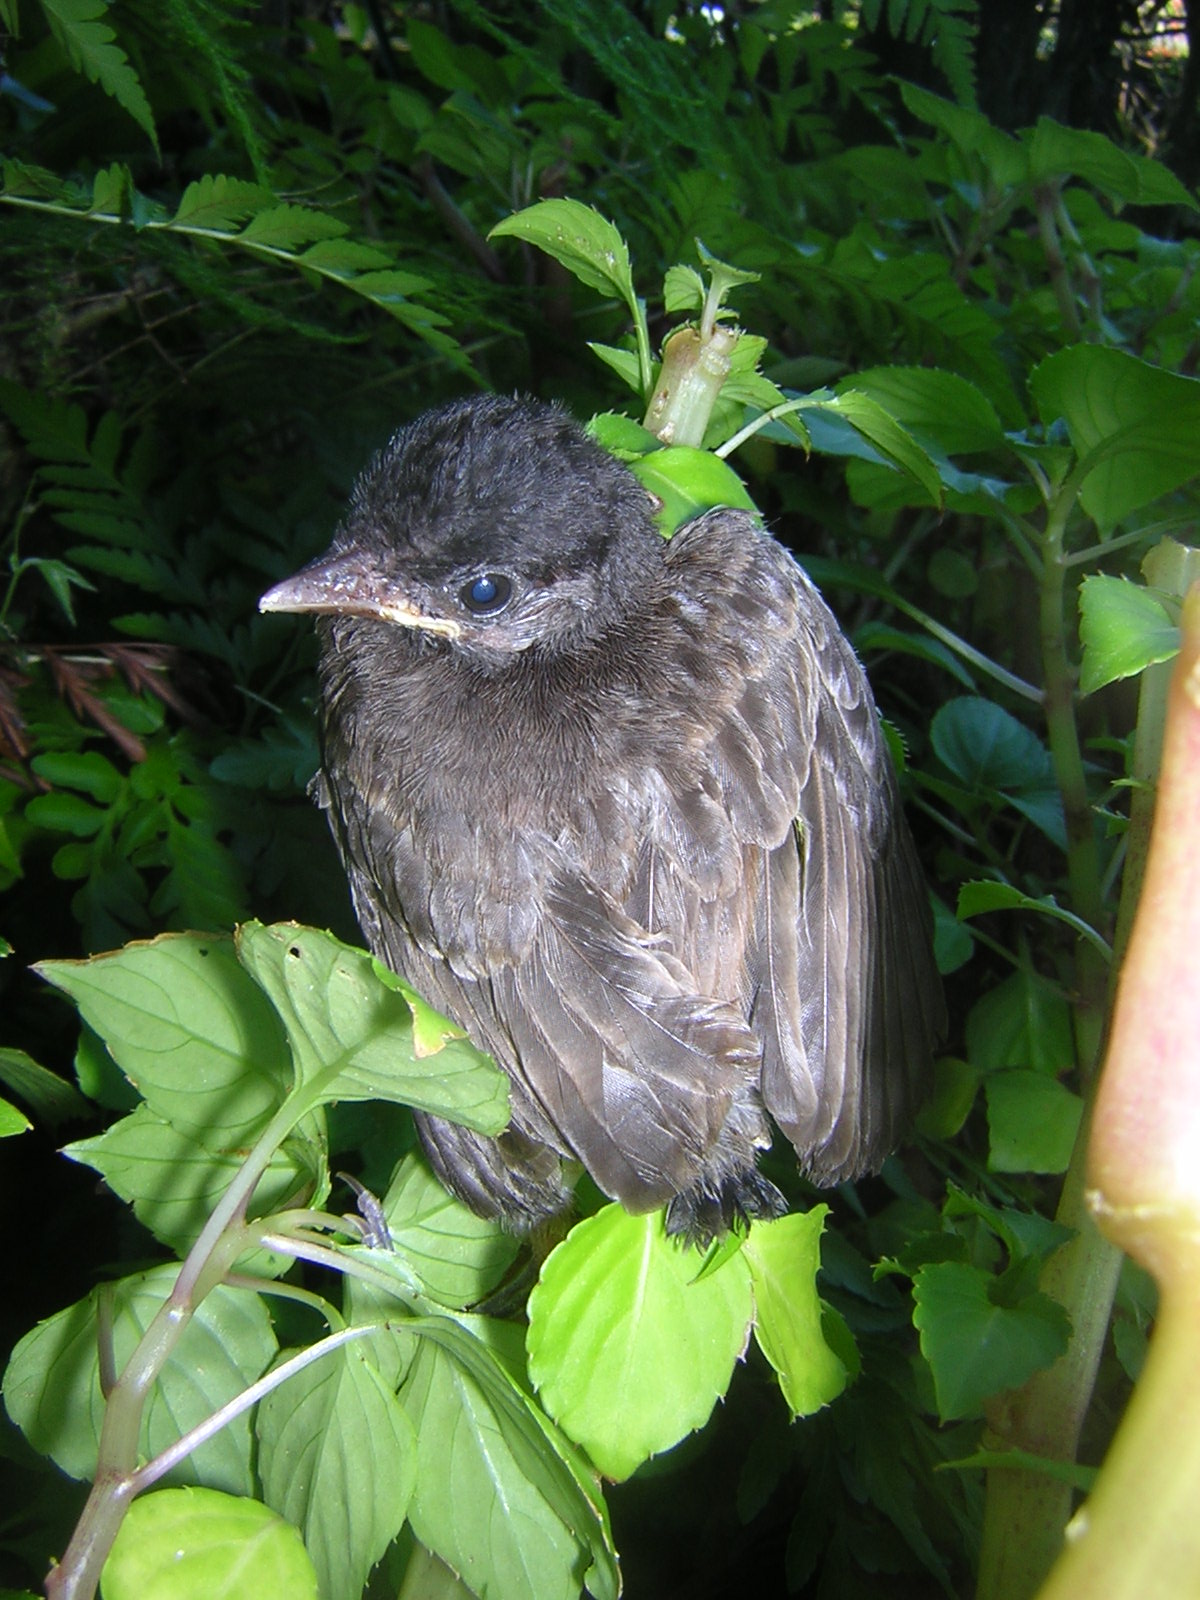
(337,1456)
(628,1349)
(287,227)
(945,413)
(985,746)
(976,1348)
(784,1257)
(987,894)
(173,1180)
(342,258)
(12,1121)
(90,48)
(218,202)
(51,1099)
(1023,1022)
(52,1385)
(623,362)
(688,482)
(456,1256)
(1005,159)
(580,239)
(81,769)
(189,1028)
(1123,628)
(1056,151)
(200,1544)
(893,442)
(995,755)
(1134,426)
(1033,1121)
(54,430)
(495,1496)
(352,1034)
(683,289)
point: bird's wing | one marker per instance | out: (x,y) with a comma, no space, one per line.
(615,1057)
(838,970)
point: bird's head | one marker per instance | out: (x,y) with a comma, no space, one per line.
(494,524)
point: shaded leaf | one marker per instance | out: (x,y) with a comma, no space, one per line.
(316,1432)
(976,1348)
(352,1034)
(52,1385)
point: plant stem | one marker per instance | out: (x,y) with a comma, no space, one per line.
(218,1246)
(1138,1534)
(1026,1511)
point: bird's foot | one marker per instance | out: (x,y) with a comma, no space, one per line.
(717,1202)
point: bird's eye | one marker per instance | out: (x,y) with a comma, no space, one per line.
(485,595)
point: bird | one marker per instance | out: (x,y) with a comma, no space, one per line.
(621,807)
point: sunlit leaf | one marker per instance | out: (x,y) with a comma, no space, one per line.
(629,1349)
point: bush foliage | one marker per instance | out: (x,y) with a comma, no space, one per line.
(240,246)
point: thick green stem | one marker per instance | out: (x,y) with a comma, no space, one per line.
(1026,1512)
(1138,1535)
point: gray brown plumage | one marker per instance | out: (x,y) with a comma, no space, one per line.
(622,809)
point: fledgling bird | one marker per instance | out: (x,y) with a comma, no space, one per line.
(622,809)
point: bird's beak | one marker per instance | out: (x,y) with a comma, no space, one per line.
(347,584)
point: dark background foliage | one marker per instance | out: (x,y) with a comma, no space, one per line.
(184,402)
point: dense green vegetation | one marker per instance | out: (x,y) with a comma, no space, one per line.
(239,246)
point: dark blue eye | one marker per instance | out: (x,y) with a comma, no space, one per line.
(488,593)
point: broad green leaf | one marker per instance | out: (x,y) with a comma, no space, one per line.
(621,436)
(1023,1022)
(688,482)
(976,1348)
(628,1349)
(1032,1121)
(351,1034)
(337,1458)
(494,1496)
(52,1385)
(893,442)
(581,239)
(955,1085)
(456,1256)
(1135,426)
(1123,628)
(89,45)
(1005,158)
(1056,151)
(943,411)
(113,192)
(188,1027)
(51,1099)
(985,746)
(173,1180)
(953,946)
(200,1544)
(784,1257)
